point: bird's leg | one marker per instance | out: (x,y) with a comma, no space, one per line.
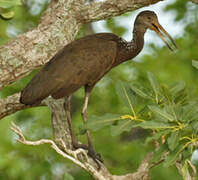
(91,151)
(75,143)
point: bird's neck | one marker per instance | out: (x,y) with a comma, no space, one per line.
(129,50)
(137,42)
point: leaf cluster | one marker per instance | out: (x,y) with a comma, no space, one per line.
(166,111)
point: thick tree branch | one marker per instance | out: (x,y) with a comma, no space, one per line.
(109,8)
(11,104)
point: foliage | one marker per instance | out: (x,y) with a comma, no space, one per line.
(165,110)
(7,8)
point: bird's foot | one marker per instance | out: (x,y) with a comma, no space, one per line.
(91,153)
(95,156)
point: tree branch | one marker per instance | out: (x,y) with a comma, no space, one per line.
(194,1)
(80,158)
(11,104)
(109,8)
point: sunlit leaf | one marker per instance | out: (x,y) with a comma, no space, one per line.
(185,170)
(124,125)
(67,176)
(140,92)
(8,14)
(195,126)
(9,3)
(173,140)
(157,136)
(94,123)
(190,112)
(161,112)
(178,87)
(126,95)
(153,125)
(155,85)
(159,152)
(195,64)
(172,156)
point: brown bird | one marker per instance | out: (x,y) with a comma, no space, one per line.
(84,62)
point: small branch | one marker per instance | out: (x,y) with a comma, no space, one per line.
(186,174)
(142,172)
(156,163)
(163,157)
(194,1)
(22,140)
(194,171)
(80,158)
(68,154)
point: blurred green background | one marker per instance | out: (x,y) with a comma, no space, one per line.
(122,154)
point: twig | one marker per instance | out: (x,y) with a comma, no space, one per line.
(194,170)
(22,140)
(72,155)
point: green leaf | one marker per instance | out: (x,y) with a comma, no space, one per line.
(195,126)
(140,92)
(172,156)
(185,170)
(126,95)
(155,85)
(195,64)
(153,125)
(67,176)
(161,112)
(94,123)
(157,135)
(167,96)
(159,152)
(8,14)
(124,125)
(9,3)
(178,87)
(173,140)
(190,112)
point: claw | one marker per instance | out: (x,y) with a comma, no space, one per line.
(91,153)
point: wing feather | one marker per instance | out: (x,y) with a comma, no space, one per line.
(81,62)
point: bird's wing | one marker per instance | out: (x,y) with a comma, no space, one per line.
(81,62)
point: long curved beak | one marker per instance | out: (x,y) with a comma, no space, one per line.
(159,29)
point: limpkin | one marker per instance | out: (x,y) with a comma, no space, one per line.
(84,62)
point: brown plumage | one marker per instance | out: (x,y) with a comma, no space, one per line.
(85,61)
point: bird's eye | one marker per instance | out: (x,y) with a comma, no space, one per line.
(149,17)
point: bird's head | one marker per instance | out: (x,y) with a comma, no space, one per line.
(149,20)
